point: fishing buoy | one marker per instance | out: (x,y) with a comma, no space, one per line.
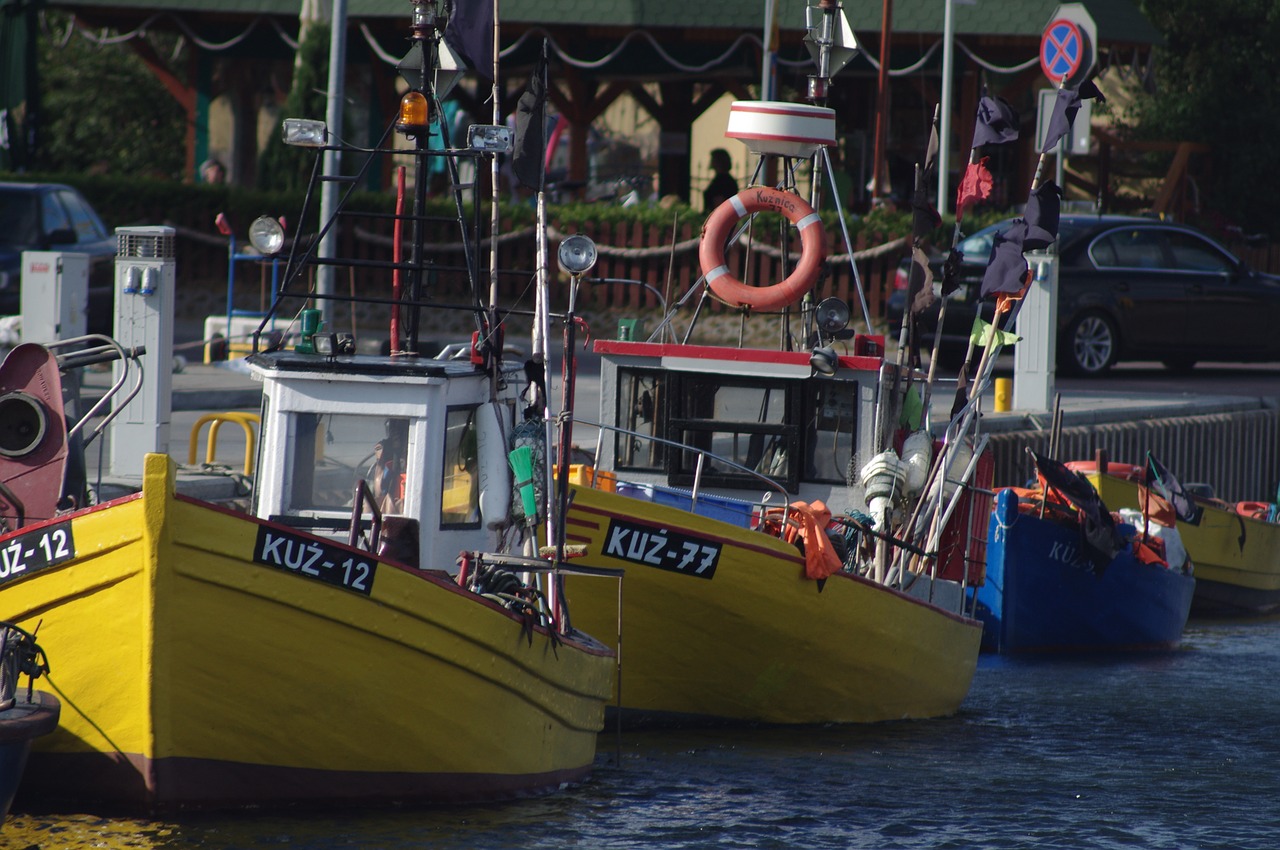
(961,453)
(491,466)
(917,455)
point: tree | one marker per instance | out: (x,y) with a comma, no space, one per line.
(101,109)
(1216,83)
(281,166)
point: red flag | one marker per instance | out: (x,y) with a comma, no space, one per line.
(974,186)
(1006,300)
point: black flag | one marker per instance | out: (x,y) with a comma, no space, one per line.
(1007,271)
(1099,539)
(1171,488)
(951,271)
(470,33)
(1041,214)
(997,122)
(1065,108)
(924,216)
(529,158)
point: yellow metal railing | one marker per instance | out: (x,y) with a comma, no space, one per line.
(245,420)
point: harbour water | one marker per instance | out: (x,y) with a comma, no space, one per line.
(1175,750)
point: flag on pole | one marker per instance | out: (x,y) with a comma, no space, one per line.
(470,33)
(920,292)
(1184,505)
(1007,272)
(924,217)
(1065,107)
(951,271)
(997,122)
(1099,538)
(1041,213)
(931,152)
(528,158)
(975,186)
(982,332)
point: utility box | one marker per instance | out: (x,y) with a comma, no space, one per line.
(55,295)
(144,292)
(1035,355)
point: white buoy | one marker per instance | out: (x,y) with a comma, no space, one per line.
(491,466)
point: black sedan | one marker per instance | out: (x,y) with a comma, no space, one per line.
(54,217)
(1129,288)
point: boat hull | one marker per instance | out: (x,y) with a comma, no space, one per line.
(1233,576)
(1043,595)
(748,637)
(20,724)
(208,660)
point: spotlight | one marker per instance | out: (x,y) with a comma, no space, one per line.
(824,360)
(577,254)
(832,315)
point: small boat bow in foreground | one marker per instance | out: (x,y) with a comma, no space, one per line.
(25,713)
(322,647)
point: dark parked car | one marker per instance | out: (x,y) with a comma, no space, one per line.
(1129,288)
(53,217)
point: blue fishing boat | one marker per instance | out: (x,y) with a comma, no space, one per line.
(1064,575)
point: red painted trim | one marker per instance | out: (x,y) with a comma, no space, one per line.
(772,137)
(738,355)
(794,109)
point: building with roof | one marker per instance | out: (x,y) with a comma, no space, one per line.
(671,60)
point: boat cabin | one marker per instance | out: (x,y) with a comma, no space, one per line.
(764,421)
(403,444)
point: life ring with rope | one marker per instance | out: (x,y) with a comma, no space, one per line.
(1254,510)
(720,224)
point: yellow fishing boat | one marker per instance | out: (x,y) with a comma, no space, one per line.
(744,598)
(799,545)
(741,633)
(364,627)
(212,659)
(1235,546)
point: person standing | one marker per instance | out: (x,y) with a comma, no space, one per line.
(722,186)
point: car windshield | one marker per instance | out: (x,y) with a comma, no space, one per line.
(19,218)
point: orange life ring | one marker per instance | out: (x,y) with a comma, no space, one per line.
(720,224)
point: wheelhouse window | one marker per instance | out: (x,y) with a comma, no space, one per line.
(830,422)
(641,409)
(331,452)
(788,431)
(460,482)
(749,422)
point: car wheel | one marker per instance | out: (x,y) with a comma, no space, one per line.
(1179,365)
(1090,346)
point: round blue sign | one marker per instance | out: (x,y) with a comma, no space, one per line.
(1062,50)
